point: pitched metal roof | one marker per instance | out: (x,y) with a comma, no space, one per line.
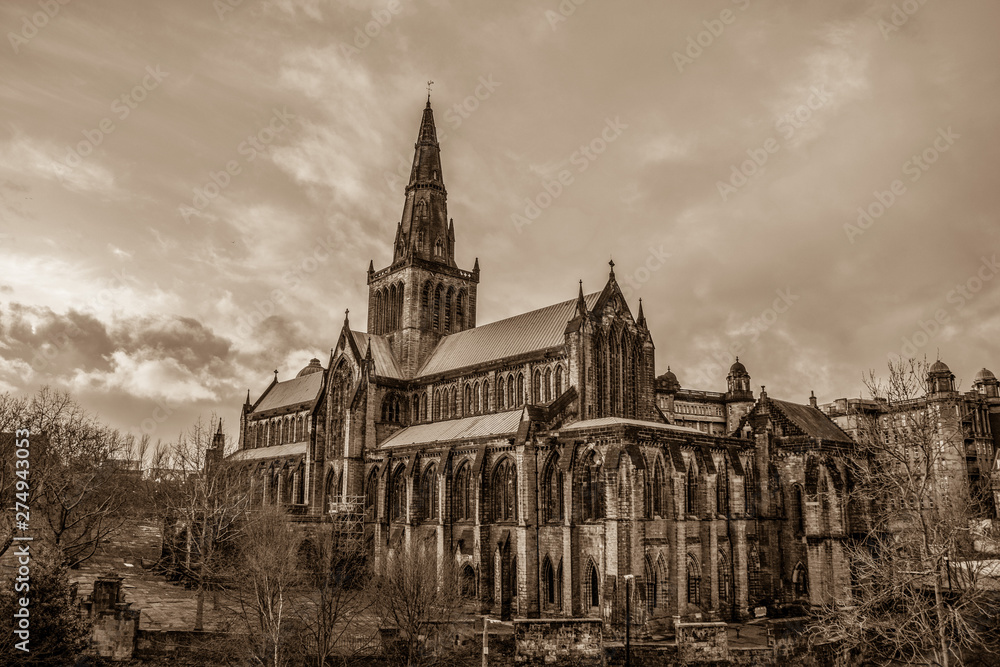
(499,424)
(303,389)
(611,421)
(529,332)
(385,360)
(812,421)
(272,452)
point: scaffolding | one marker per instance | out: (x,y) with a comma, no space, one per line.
(348,522)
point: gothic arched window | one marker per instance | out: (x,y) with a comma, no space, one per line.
(448,298)
(486,397)
(725,582)
(548,384)
(552,490)
(800,578)
(460,311)
(398,512)
(590,488)
(559,381)
(753,574)
(371,493)
(692,488)
(548,583)
(652,585)
(438,248)
(462,494)
(505,491)
(500,394)
(659,488)
(749,489)
(693,581)
(536,386)
(592,586)
(429,493)
(520,389)
(796,514)
(438,295)
(722,488)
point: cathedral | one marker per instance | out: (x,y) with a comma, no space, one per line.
(543,456)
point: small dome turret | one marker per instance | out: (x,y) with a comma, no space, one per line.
(313,367)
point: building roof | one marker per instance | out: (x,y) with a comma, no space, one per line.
(529,332)
(385,360)
(313,367)
(302,389)
(272,452)
(612,421)
(939,367)
(813,421)
(498,424)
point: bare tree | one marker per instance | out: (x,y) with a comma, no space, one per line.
(911,512)
(332,607)
(75,477)
(206,511)
(266,587)
(418,595)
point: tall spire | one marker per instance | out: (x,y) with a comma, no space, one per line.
(424,230)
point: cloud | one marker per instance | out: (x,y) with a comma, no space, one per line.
(33,157)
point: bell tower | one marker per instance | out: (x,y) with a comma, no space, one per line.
(422,295)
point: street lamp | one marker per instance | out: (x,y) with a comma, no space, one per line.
(629,584)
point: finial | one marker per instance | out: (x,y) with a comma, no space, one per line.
(429,84)
(611,263)
(219,431)
(668,368)
(737,358)
(347,319)
(275,374)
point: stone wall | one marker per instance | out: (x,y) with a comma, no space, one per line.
(575,642)
(702,642)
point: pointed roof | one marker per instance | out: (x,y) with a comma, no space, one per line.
(302,389)
(424,229)
(381,352)
(522,334)
(811,421)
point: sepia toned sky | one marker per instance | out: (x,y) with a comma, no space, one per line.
(190,192)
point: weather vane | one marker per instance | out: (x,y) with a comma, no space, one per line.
(429,84)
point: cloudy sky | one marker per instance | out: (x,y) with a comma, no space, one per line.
(190,192)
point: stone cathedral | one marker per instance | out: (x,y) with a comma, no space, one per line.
(541,453)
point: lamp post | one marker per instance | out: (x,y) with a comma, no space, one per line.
(629,583)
